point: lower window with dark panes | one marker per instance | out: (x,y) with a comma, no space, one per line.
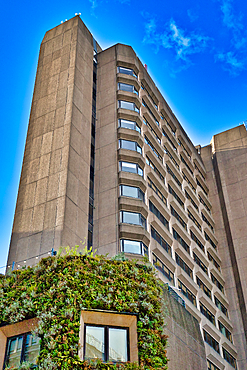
(106,343)
(229,358)
(134,246)
(211,341)
(211,366)
(24,347)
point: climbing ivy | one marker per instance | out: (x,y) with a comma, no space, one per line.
(59,288)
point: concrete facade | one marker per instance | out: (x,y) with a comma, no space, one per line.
(175,215)
(226,163)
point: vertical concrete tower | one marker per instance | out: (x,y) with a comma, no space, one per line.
(53,201)
(226,163)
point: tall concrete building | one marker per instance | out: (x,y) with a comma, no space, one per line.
(107,160)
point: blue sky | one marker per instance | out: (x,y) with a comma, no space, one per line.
(196,52)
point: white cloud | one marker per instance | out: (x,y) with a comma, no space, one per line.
(94,5)
(235,58)
(232,63)
(182,43)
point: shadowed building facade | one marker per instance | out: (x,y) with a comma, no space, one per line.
(107,160)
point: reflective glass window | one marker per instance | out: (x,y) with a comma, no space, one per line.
(129,145)
(21,348)
(106,343)
(131,191)
(132,218)
(95,347)
(133,246)
(127,105)
(127,87)
(127,71)
(132,125)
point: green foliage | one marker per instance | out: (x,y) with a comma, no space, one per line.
(58,288)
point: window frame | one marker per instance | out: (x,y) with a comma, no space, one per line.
(12,330)
(106,341)
(115,319)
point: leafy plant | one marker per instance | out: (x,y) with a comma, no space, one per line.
(60,287)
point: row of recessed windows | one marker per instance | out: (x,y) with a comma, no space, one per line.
(132,125)
(131,88)
(137,193)
(215,345)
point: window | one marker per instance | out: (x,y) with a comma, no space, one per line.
(177,237)
(127,105)
(129,145)
(211,341)
(187,293)
(131,125)
(24,347)
(171,157)
(211,258)
(201,285)
(199,184)
(156,190)
(161,267)
(170,141)
(106,343)
(178,217)
(211,366)
(225,331)
(156,236)
(158,214)
(229,358)
(108,336)
(189,182)
(186,164)
(150,163)
(210,241)
(173,176)
(184,148)
(143,88)
(152,130)
(127,87)
(183,265)
(200,263)
(220,306)
(197,241)
(131,191)
(204,203)
(130,167)
(198,169)
(217,283)
(126,71)
(207,222)
(207,313)
(132,218)
(192,201)
(150,112)
(152,147)
(133,246)
(171,191)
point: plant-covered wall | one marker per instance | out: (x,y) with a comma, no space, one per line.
(59,288)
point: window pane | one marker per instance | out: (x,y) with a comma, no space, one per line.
(131,218)
(95,347)
(127,124)
(126,71)
(129,167)
(126,144)
(32,348)
(131,246)
(129,191)
(126,87)
(126,105)
(118,345)
(14,351)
